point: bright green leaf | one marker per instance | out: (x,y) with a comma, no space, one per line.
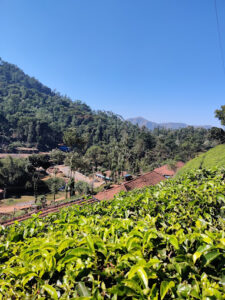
(165,287)
(83,290)
(51,291)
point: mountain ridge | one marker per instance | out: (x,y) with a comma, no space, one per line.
(140,121)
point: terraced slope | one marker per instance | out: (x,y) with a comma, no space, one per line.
(215,157)
(164,242)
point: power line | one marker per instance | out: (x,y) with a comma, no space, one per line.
(219,36)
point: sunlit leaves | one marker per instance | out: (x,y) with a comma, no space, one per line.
(165,287)
(164,242)
(51,291)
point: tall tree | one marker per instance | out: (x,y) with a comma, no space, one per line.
(54,184)
(220,114)
(96,156)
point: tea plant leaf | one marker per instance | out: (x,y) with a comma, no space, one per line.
(83,290)
(173,240)
(165,287)
(141,274)
(161,242)
(28,277)
(51,291)
(200,251)
(210,256)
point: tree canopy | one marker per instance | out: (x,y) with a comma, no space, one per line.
(32,115)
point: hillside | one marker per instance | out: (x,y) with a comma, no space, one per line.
(32,115)
(152,125)
(212,158)
(163,242)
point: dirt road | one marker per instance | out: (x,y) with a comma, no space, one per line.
(11,208)
(78,176)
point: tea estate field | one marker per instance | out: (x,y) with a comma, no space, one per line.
(163,242)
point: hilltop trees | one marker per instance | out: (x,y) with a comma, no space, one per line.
(217,134)
(220,114)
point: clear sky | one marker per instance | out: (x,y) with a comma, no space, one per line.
(159,59)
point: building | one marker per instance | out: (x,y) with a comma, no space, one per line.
(102,177)
(151,178)
(27,150)
(109,194)
(167,171)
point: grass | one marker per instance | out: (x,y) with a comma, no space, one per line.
(24,199)
(213,158)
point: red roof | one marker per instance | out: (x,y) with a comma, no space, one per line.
(150,178)
(167,171)
(147,179)
(109,194)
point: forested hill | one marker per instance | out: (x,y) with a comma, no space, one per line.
(36,116)
(33,115)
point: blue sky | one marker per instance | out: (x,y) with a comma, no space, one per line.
(159,59)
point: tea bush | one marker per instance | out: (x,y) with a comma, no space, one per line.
(164,242)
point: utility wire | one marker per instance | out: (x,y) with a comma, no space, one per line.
(219,36)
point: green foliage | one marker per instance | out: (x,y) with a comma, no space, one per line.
(212,158)
(75,161)
(57,157)
(163,242)
(73,139)
(83,188)
(217,134)
(220,114)
(14,174)
(95,156)
(55,183)
(39,160)
(33,115)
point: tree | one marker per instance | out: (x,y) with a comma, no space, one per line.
(57,157)
(220,114)
(40,160)
(13,173)
(71,187)
(37,161)
(74,140)
(217,134)
(96,156)
(54,184)
(75,161)
(83,187)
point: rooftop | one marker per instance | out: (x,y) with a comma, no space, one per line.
(147,179)
(167,171)
(26,149)
(150,178)
(109,194)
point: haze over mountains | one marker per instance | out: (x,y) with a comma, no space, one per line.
(140,121)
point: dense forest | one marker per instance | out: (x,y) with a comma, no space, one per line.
(33,115)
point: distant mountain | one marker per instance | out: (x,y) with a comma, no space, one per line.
(152,125)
